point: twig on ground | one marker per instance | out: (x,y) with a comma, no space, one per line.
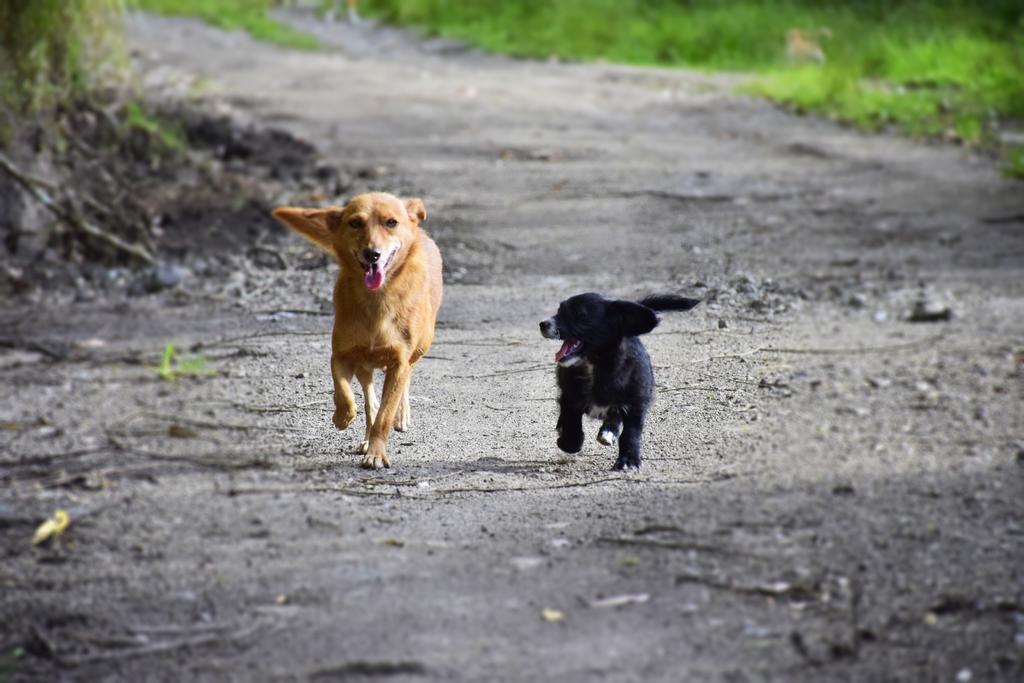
(494,341)
(274,490)
(227,341)
(826,351)
(224,462)
(502,373)
(284,408)
(672,545)
(296,311)
(41,191)
(860,349)
(772,590)
(697,387)
(166,646)
(274,253)
(203,424)
(27,460)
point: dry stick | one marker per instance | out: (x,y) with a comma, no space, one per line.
(696,387)
(39,189)
(502,489)
(278,409)
(202,423)
(432,492)
(281,333)
(210,462)
(766,590)
(29,460)
(502,373)
(271,490)
(821,352)
(161,647)
(671,545)
(295,311)
(270,252)
(484,342)
(862,349)
(236,491)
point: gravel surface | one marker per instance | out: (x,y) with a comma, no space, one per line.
(832,490)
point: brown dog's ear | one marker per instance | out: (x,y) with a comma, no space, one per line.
(417,212)
(316,225)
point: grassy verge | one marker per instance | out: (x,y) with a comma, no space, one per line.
(248,15)
(931,68)
(54,50)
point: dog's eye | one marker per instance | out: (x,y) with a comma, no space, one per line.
(356,223)
(391,223)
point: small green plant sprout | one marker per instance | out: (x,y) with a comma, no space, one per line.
(172,365)
(168,136)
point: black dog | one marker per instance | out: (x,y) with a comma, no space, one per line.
(604,370)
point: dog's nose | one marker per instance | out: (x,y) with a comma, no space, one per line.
(371,255)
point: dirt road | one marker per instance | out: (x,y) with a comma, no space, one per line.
(830,492)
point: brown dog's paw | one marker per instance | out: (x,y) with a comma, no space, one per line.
(402,421)
(376,457)
(343,418)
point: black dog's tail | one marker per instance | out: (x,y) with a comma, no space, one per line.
(669,302)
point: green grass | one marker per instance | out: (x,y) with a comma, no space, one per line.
(172,365)
(170,136)
(54,50)
(1013,161)
(248,15)
(928,67)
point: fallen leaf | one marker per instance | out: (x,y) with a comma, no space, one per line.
(552,615)
(51,528)
(392,542)
(281,599)
(621,600)
(180,431)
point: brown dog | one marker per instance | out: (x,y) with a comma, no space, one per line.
(385,304)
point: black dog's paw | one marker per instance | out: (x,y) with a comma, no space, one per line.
(627,464)
(571,443)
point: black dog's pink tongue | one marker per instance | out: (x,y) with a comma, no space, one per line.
(374,277)
(567,347)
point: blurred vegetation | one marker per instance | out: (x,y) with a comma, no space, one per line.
(933,69)
(54,50)
(248,15)
(930,67)
(1013,161)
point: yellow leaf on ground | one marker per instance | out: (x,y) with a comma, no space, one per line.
(552,615)
(51,528)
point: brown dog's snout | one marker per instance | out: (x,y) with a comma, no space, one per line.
(371,255)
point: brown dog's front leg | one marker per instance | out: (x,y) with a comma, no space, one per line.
(396,379)
(344,401)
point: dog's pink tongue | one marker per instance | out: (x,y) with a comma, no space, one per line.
(566,345)
(374,277)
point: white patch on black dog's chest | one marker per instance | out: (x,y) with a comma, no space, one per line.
(598,412)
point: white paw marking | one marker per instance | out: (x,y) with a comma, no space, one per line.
(607,437)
